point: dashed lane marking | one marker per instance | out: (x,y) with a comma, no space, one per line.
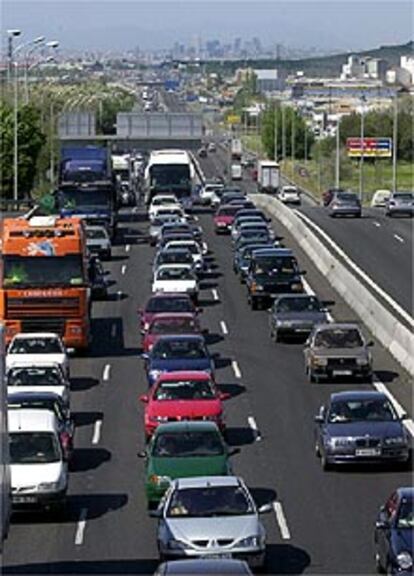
(97,432)
(223,327)
(399,238)
(127,248)
(281,520)
(106,372)
(377,224)
(80,527)
(123,269)
(215,294)
(236,369)
(252,423)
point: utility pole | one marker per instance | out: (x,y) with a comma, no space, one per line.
(337,156)
(276,130)
(52,146)
(293,142)
(15,137)
(395,143)
(361,163)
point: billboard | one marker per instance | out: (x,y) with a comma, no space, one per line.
(159,125)
(373,147)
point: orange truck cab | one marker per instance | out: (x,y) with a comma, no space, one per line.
(44,278)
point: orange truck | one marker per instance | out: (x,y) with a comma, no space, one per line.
(44,278)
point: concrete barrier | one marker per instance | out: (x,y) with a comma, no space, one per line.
(394,336)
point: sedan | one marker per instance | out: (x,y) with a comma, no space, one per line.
(172,353)
(345,204)
(38,377)
(176,278)
(290,195)
(183,450)
(242,257)
(223,218)
(337,349)
(157,225)
(169,323)
(37,347)
(162,302)
(361,426)
(296,315)
(394,533)
(400,204)
(209,517)
(173,256)
(98,241)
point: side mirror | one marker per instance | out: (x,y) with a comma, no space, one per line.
(265,508)
(155,513)
(318,419)
(224,395)
(145,356)
(142,454)
(144,398)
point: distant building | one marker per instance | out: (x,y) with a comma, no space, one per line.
(354,68)
(270,80)
(407,63)
(376,68)
(398,75)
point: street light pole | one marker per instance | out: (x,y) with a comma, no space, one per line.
(337,156)
(395,143)
(10,35)
(15,137)
(34,45)
(293,142)
(361,162)
(276,130)
(283,133)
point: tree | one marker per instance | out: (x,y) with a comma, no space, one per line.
(30,141)
(291,120)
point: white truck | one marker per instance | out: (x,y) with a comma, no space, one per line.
(268,176)
(236,172)
(5,478)
(236,149)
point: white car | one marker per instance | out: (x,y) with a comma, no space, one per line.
(37,347)
(289,195)
(161,200)
(98,241)
(208,192)
(39,470)
(380,198)
(168,210)
(175,278)
(193,247)
(39,377)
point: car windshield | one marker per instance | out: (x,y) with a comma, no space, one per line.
(229,211)
(188,445)
(164,200)
(209,502)
(162,219)
(169,304)
(35,346)
(34,376)
(175,256)
(43,268)
(339,338)
(170,349)
(247,236)
(406,514)
(377,410)
(33,448)
(349,198)
(185,390)
(38,404)
(175,274)
(192,247)
(95,234)
(406,196)
(307,304)
(80,198)
(275,264)
(173,326)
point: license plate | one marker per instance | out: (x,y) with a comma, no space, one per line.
(342,372)
(218,555)
(24,499)
(368,452)
(301,330)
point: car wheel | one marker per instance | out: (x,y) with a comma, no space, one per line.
(324,463)
(253,303)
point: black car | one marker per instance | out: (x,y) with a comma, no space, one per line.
(394,533)
(272,271)
(47,401)
(99,283)
(243,255)
(251,237)
(296,315)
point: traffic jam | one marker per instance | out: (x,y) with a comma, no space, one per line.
(208,520)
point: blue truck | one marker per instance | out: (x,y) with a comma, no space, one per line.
(87,187)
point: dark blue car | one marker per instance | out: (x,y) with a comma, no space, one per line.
(172,353)
(394,533)
(360,427)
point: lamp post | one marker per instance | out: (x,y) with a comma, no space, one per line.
(293,142)
(283,132)
(276,130)
(12,33)
(361,162)
(39,43)
(337,155)
(395,143)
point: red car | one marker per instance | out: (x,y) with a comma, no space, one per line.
(223,218)
(183,396)
(169,323)
(165,302)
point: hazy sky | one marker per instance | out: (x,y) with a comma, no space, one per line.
(120,24)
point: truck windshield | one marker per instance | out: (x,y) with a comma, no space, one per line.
(71,199)
(33,448)
(29,271)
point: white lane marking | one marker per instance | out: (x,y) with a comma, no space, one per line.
(119,294)
(127,248)
(223,327)
(409,319)
(409,424)
(215,294)
(236,369)
(399,238)
(310,291)
(106,372)
(123,269)
(81,525)
(281,520)
(377,224)
(113,331)
(97,432)
(252,423)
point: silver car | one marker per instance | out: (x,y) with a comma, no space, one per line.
(345,204)
(400,203)
(98,241)
(212,517)
(158,222)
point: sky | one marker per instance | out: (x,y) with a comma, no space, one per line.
(126,24)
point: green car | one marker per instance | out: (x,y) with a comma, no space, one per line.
(181,450)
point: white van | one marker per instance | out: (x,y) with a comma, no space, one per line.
(236,172)
(39,470)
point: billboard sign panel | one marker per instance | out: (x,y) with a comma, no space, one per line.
(373,147)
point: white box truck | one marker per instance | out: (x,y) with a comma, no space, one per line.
(268,176)
(236,149)
(236,172)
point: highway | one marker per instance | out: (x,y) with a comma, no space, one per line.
(324,521)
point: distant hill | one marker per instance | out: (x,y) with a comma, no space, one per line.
(316,66)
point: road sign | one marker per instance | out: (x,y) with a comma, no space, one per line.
(233,119)
(373,147)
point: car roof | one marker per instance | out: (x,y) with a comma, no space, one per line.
(29,335)
(207,481)
(178,375)
(172,316)
(31,420)
(186,426)
(336,326)
(273,252)
(358,395)
(176,337)
(31,395)
(169,295)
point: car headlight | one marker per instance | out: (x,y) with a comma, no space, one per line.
(48,487)
(395,440)
(255,287)
(146,325)
(404,560)
(362,361)
(337,442)
(176,544)
(155,479)
(158,418)
(286,323)
(319,361)
(252,542)
(296,287)
(221,224)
